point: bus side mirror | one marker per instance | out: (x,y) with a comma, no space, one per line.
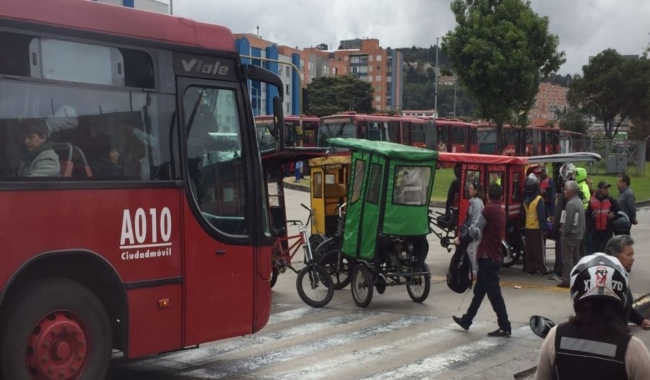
(278,120)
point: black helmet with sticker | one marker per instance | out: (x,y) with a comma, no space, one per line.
(599,276)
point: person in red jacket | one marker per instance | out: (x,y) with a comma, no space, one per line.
(600,214)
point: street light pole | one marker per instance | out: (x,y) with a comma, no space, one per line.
(435,96)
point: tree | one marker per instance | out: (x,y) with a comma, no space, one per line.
(501,50)
(611,89)
(322,46)
(329,95)
(574,121)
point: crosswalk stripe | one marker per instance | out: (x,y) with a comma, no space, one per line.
(327,368)
(251,364)
(430,367)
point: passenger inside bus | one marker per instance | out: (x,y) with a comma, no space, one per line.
(108,165)
(40,159)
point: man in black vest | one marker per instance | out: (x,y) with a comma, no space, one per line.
(595,343)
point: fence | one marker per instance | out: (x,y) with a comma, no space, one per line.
(618,156)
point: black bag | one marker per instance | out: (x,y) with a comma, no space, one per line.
(459,273)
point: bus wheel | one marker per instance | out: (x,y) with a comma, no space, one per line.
(56,329)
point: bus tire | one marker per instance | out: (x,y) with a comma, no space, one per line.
(56,328)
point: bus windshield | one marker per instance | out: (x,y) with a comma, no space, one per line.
(330,130)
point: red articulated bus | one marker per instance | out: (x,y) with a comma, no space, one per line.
(131,188)
(397,129)
(529,141)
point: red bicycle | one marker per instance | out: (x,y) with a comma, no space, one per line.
(319,289)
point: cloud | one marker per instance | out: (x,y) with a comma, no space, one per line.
(585,27)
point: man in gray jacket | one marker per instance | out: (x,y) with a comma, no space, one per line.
(40,160)
(626,201)
(572,230)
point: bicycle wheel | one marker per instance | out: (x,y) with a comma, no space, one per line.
(314,241)
(338,266)
(314,285)
(418,287)
(362,285)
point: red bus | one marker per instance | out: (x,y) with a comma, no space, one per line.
(457,136)
(398,129)
(571,142)
(295,136)
(137,218)
(529,141)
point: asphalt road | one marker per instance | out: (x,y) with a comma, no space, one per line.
(394,338)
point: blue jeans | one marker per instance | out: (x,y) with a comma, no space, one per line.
(487,282)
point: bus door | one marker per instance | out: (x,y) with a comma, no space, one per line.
(218,231)
(407,128)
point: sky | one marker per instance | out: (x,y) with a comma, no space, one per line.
(584,27)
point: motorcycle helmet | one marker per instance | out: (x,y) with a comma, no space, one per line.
(599,276)
(621,222)
(568,172)
(531,184)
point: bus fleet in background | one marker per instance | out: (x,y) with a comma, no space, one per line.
(449,135)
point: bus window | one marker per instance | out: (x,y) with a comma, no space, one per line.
(393,132)
(375,131)
(114,134)
(458,135)
(216,171)
(418,134)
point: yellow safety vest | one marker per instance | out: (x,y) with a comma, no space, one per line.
(532,221)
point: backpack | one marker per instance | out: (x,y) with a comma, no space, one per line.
(459,271)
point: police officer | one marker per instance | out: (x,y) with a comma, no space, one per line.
(595,343)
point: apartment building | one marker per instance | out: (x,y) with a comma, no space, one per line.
(550,98)
(366,60)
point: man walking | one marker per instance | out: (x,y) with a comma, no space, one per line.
(626,200)
(491,226)
(572,230)
(600,216)
(622,247)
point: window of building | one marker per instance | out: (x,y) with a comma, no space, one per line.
(378,98)
(335,70)
(346,58)
(364,59)
(378,78)
(378,58)
(288,72)
(370,57)
(286,90)
(288,111)
(355,59)
(378,88)
(280,69)
(378,68)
